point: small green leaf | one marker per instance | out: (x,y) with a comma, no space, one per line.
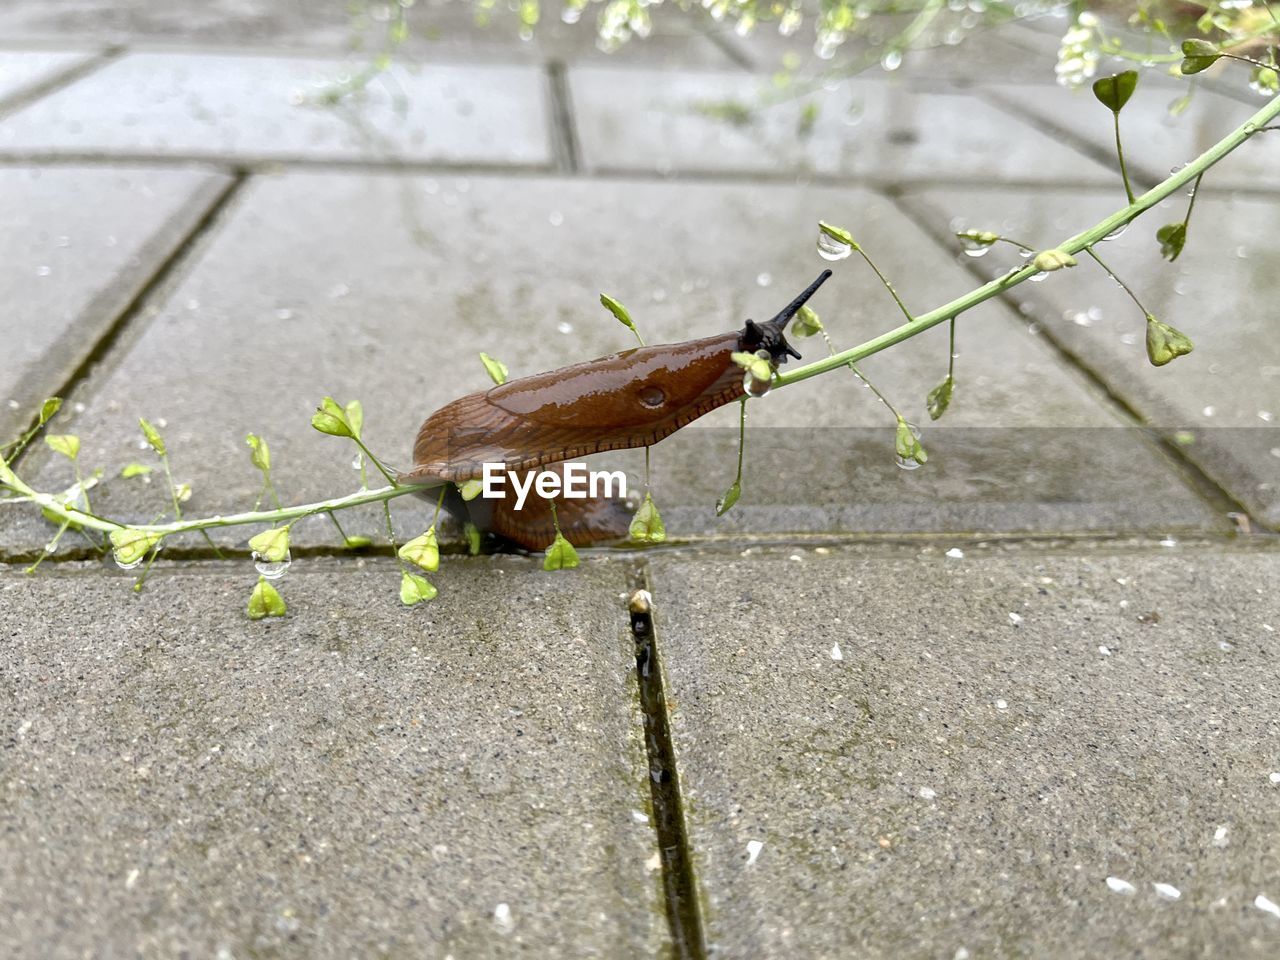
(259,452)
(357,543)
(838,233)
(939,398)
(496,369)
(1165,343)
(64,443)
(806,323)
(726,502)
(135,470)
(808,119)
(422,551)
(1184,438)
(265,601)
(129,545)
(415,589)
(472,533)
(758,367)
(355,417)
(1050,260)
(646,525)
(271,545)
(1265,80)
(153,436)
(1198,55)
(977,241)
(1114,92)
(618,310)
(1172,237)
(6,475)
(470,489)
(49,408)
(331,419)
(560,555)
(907,444)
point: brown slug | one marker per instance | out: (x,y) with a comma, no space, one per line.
(630,399)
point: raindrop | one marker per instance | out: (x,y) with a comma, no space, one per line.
(1117,232)
(357,461)
(974,247)
(835,652)
(571,15)
(1274,777)
(891,60)
(763,280)
(502,918)
(829,248)
(927,793)
(115,555)
(753,850)
(955,553)
(1167,890)
(1220,837)
(1226,646)
(1002,704)
(556,218)
(1209,411)
(754,387)
(1015,619)
(43,271)
(1121,886)
(1037,277)
(1104,650)
(564,326)
(272,569)
(1266,905)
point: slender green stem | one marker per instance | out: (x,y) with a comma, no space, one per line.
(1071,245)
(831,351)
(1124,171)
(1195,192)
(375,461)
(742,438)
(883,279)
(1116,277)
(951,353)
(49,548)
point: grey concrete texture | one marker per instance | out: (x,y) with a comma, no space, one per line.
(388,290)
(959,784)
(79,244)
(869,128)
(357,779)
(436,28)
(1226,393)
(22,70)
(1002,51)
(1155,140)
(258,107)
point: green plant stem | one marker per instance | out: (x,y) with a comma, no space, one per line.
(1072,245)
(1195,192)
(951,353)
(885,280)
(1124,171)
(1116,277)
(375,461)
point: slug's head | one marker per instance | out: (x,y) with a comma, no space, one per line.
(769,335)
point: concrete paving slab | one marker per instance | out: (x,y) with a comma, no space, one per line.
(690,122)
(246,108)
(1226,394)
(1011,755)
(20,70)
(385,288)
(358,779)
(983,54)
(437,29)
(1156,141)
(78,245)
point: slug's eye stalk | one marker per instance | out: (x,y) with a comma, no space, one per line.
(769,335)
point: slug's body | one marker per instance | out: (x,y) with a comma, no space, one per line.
(630,399)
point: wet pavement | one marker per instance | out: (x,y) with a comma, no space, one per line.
(1016,702)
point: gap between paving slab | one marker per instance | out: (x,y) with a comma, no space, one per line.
(357,774)
(912,782)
